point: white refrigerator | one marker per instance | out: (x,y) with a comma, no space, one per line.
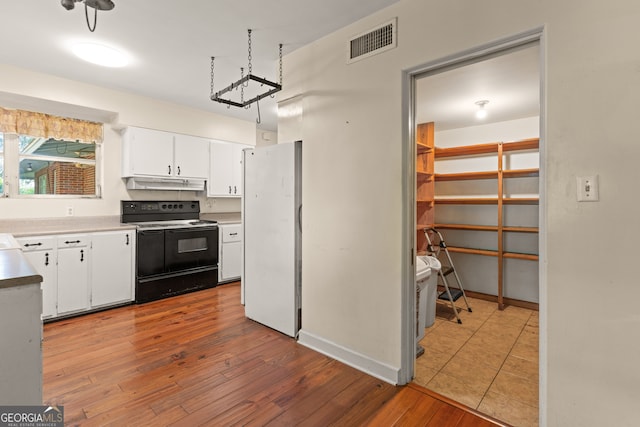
(272,226)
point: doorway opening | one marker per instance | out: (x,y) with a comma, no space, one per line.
(479,182)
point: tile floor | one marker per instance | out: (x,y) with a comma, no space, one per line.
(489,362)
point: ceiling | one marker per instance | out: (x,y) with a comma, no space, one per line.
(170,43)
(170,46)
(509,81)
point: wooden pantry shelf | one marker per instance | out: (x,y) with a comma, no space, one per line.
(423,148)
(474,227)
(485,252)
(424,176)
(425,183)
(521,229)
(466,227)
(516,255)
(488,201)
(490,148)
(472,251)
(520,173)
(462,176)
(500,152)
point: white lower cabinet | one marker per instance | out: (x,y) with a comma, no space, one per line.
(230,252)
(42,254)
(82,271)
(112,267)
(73,273)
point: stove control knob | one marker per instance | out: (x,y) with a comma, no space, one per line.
(164,206)
(180,206)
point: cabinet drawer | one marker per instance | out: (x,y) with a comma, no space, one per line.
(73,241)
(231,233)
(29,244)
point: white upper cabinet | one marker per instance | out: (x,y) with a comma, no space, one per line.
(225,179)
(148,152)
(190,158)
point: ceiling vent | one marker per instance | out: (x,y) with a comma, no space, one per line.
(378,40)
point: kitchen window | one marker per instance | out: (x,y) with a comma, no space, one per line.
(42,155)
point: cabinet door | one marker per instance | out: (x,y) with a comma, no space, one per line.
(221,170)
(111,267)
(73,278)
(148,152)
(230,266)
(236,165)
(191,157)
(45,264)
(230,251)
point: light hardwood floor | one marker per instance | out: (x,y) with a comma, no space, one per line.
(196,360)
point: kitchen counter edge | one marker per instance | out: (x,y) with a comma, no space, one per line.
(16,270)
(73,225)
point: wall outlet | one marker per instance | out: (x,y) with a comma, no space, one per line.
(69,210)
(588,190)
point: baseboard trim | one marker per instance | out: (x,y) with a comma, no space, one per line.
(349,357)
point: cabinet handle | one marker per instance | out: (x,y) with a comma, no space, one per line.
(72,241)
(46,258)
(169,169)
(233,234)
(229,189)
(26,245)
(178,170)
(81,255)
(235,190)
(127,240)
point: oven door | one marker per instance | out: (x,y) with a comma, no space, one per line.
(150,253)
(187,248)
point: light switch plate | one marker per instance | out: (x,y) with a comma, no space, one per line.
(588,189)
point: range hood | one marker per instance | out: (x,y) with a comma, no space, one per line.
(153,183)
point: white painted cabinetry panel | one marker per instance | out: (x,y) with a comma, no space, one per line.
(41,253)
(81,272)
(230,252)
(148,152)
(73,273)
(190,157)
(225,169)
(112,267)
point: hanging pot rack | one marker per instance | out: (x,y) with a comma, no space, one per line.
(244,81)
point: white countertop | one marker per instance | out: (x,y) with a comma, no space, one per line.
(68,225)
(45,226)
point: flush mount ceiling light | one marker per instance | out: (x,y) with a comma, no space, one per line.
(95,4)
(100,54)
(250,83)
(482,112)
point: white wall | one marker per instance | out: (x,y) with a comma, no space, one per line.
(265,137)
(352,190)
(55,95)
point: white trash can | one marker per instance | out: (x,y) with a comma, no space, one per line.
(427,268)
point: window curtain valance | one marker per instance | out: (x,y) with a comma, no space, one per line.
(47,126)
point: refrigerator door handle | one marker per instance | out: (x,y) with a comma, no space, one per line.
(300,217)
